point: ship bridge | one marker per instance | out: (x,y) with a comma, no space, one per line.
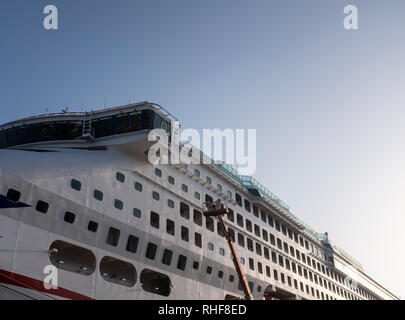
(85,129)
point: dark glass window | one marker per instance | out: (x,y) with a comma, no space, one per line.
(69,217)
(103,127)
(93,226)
(247,205)
(170,228)
(181,263)
(120,177)
(238,199)
(155,195)
(75,184)
(231,215)
(113,236)
(184,234)
(118,204)
(250,244)
(136,212)
(13,195)
(132,243)
(42,206)
(184,210)
(248,225)
(154,220)
(170,203)
(135,121)
(198,240)
(171,180)
(209,269)
(138,186)
(241,240)
(196,265)
(151,251)
(158,172)
(121,124)
(239,220)
(167,257)
(98,195)
(209,223)
(184,188)
(197,217)
(255,211)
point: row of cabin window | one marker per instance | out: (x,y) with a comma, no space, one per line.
(132,242)
(289,282)
(297,269)
(197,218)
(268,219)
(209,181)
(73,258)
(287,249)
(265,235)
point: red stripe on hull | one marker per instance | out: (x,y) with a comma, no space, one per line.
(37,285)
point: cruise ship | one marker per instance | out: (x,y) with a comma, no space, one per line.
(79,196)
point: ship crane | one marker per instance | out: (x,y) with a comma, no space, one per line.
(217,209)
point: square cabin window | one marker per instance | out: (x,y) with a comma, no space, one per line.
(69,217)
(155,195)
(120,177)
(209,270)
(42,206)
(198,240)
(197,217)
(76,184)
(171,180)
(248,225)
(170,227)
(93,226)
(154,220)
(138,186)
(151,251)
(239,220)
(197,172)
(132,244)
(113,236)
(170,203)
(231,215)
(158,172)
(197,195)
(118,204)
(184,233)
(13,195)
(167,257)
(136,213)
(181,263)
(98,195)
(184,188)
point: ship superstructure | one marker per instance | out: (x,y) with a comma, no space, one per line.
(77,192)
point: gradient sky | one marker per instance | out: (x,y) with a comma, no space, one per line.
(328,104)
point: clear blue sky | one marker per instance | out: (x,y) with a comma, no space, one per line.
(328,104)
